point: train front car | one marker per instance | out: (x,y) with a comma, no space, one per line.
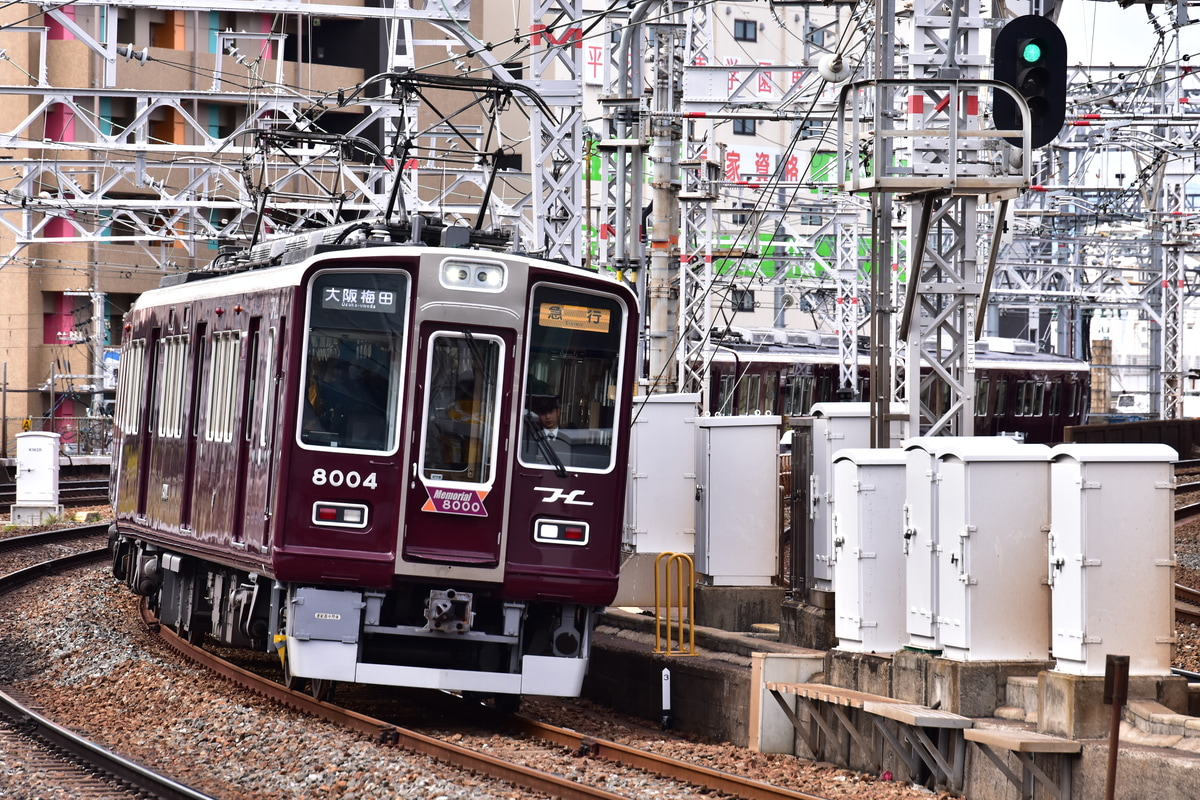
(443,506)
(501,540)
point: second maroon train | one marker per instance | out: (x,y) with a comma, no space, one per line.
(1017,388)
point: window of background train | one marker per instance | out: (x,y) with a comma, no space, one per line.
(981,397)
(725,395)
(353,360)
(462,413)
(1001,397)
(574,357)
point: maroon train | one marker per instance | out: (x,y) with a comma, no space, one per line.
(1017,388)
(327,447)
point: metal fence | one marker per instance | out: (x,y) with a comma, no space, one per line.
(80,436)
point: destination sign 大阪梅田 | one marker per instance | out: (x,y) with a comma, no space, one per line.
(351,298)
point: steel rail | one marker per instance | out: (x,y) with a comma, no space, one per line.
(51,537)
(92,755)
(664,766)
(1187,604)
(384,732)
(78,748)
(28,574)
(525,777)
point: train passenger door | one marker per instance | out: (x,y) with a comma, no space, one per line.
(456,500)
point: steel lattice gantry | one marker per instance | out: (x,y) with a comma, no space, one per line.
(953,159)
(91,181)
(1114,223)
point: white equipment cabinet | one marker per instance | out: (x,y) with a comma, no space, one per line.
(37,478)
(1111,556)
(835,427)
(737,500)
(921,533)
(659,511)
(868,550)
(660,508)
(993,513)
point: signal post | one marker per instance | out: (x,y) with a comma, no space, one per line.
(956,158)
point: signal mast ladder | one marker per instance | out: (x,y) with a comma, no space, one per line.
(838,719)
(685,569)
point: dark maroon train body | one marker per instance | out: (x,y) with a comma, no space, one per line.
(336,457)
(1017,389)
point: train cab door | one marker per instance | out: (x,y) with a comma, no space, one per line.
(456,500)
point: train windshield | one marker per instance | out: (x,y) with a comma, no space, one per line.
(571,380)
(461,414)
(353,360)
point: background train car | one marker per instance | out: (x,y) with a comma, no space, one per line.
(1017,389)
(336,455)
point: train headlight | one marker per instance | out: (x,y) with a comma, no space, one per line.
(484,277)
(560,531)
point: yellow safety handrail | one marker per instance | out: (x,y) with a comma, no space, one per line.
(661,624)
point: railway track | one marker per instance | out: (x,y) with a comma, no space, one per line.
(81,492)
(38,746)
(528,778)
(123,778)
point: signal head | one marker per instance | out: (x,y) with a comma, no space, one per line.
(1030,55)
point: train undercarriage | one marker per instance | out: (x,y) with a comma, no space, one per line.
(417,635)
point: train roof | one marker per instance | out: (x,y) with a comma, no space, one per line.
(290,261)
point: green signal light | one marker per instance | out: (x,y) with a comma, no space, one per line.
(1031,53)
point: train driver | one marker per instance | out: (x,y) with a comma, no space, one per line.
(545,442)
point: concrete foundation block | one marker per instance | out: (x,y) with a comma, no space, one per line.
(805,625)
(910,676)
(1073,705)
(736,608)
(862,672)
(967,688)
(975,688)
(35,515)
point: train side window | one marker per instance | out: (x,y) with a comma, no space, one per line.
(222,387)
(461,407)
(268,395)
(354,360)
(981,397)
(1001,407)
(751,390)
(130,388)
(1055,398)
(1039,397)
(725,395)
(170,400)
(572,380)
(791,403)
(824,390)
(772,392)
(806,394)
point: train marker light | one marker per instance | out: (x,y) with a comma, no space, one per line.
(1030,55)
